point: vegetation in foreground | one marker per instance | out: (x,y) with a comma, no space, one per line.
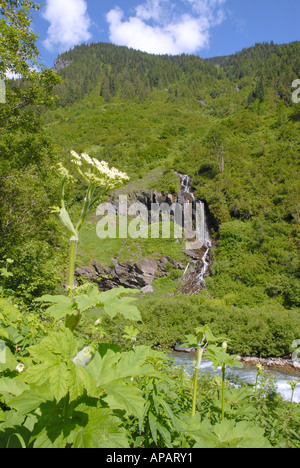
(63,386)
(63,383)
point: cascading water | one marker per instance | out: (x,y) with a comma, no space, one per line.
(194,279)
(200,281)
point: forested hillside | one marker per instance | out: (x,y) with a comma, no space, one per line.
(276,64)
(142,112)
(129,74)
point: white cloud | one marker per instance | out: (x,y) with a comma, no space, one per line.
(12,75)
(152,9)
(69,24)
(162,27)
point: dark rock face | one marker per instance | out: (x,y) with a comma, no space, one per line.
(60,64)
(129,275)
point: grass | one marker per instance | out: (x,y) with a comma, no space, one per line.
(103,251)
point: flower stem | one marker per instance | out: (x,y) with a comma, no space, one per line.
(66,405)
(86,206)
(292,398)
(73,248)
(223,392)
(200,351)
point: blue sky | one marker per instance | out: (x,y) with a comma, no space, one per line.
(203,27)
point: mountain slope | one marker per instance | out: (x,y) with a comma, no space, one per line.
(128,73)
(277,64)
(235,135)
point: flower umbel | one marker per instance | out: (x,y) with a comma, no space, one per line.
(97,172)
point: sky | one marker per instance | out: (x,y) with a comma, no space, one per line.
(207,28)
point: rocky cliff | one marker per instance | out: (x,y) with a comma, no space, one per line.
(130,275)
(60,64)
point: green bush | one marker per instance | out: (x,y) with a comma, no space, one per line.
(263,331)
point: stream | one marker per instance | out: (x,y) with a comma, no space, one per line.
(244,374)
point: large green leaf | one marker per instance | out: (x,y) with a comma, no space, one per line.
(113,302)
(90,300)
(29,400)
(107,296)
(10,361)
(80,379)
(153,425)
(55,433)
(9,312)
(12,386)
(93,298)
(125,397)
(62,305)
(239,435)
(58,376)
(12,432)
(114,366)
(123,306)
(227,434)
(62,344)
(114,373)
(220,357)
(56,368)
(101,431)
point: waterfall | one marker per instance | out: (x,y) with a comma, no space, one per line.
(195,278)
(204,233)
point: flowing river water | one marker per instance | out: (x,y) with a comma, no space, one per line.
(244,374)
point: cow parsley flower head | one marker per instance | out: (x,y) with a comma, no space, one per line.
(97,172)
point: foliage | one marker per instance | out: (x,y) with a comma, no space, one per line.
(73,307)
(277,63)
(125,73)
(26,155)
(56,396)
(265,330)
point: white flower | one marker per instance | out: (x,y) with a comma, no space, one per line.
(88,159)
(97,172)
(20,368)
(75,155)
